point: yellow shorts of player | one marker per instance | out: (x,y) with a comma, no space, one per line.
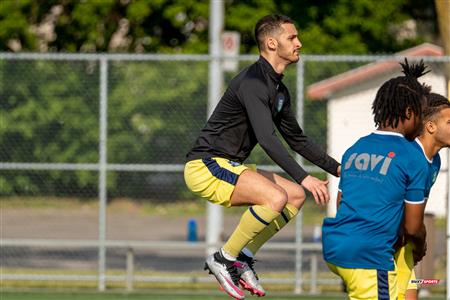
(214,178)
(405,270)
(367,284)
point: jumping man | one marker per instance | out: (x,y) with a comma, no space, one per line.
(255,104)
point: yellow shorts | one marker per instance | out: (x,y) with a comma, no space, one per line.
(214,178)
(405,270)
(368,284)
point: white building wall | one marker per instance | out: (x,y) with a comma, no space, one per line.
(438,195)
(350,117)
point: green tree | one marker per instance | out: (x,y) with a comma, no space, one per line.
(15,20)
(170,26)
(44,120)
(49,110)
(365,26)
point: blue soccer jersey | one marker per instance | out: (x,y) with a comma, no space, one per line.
(380,172)
(434,165)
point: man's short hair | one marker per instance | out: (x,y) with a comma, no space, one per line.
(269,25)
(435,103)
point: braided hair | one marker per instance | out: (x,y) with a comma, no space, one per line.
(399,93)
(435,103)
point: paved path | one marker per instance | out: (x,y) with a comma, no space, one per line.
(128,224)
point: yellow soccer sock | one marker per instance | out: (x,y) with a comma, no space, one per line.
(288,213)
(252,222)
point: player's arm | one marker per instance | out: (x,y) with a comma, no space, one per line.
(305,146)
(256,101)
(414,227)
(414,218)
(415,231)
(415,201)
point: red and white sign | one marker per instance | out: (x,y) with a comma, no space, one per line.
(231,41)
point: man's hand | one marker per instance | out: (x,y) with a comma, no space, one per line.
(318,189)
(419,252)
(339,171)
(419,243)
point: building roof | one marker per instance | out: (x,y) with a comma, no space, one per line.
(323,89)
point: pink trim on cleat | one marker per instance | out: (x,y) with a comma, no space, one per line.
(235,288)
(247,275)
(251,289)
(223,290)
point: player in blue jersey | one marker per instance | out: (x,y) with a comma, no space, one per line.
(435,135)
(382,179)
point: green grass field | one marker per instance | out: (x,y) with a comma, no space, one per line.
(74,295)
(10,295)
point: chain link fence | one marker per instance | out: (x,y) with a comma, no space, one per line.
(91,146)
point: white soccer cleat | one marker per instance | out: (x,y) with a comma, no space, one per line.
(225,272)
(248,278)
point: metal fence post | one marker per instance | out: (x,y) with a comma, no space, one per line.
(102,173)
(313,282)
(130,269)
(299,219)
(214,212)
(298,254)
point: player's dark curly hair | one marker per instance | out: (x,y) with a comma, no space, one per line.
(399,93)
(267,25)
(435,103)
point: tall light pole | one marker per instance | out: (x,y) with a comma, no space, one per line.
(214,222)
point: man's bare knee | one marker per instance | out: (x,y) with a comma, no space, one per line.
(297,197)
(255,189)
(278,199)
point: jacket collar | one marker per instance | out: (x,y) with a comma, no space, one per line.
(267,67)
